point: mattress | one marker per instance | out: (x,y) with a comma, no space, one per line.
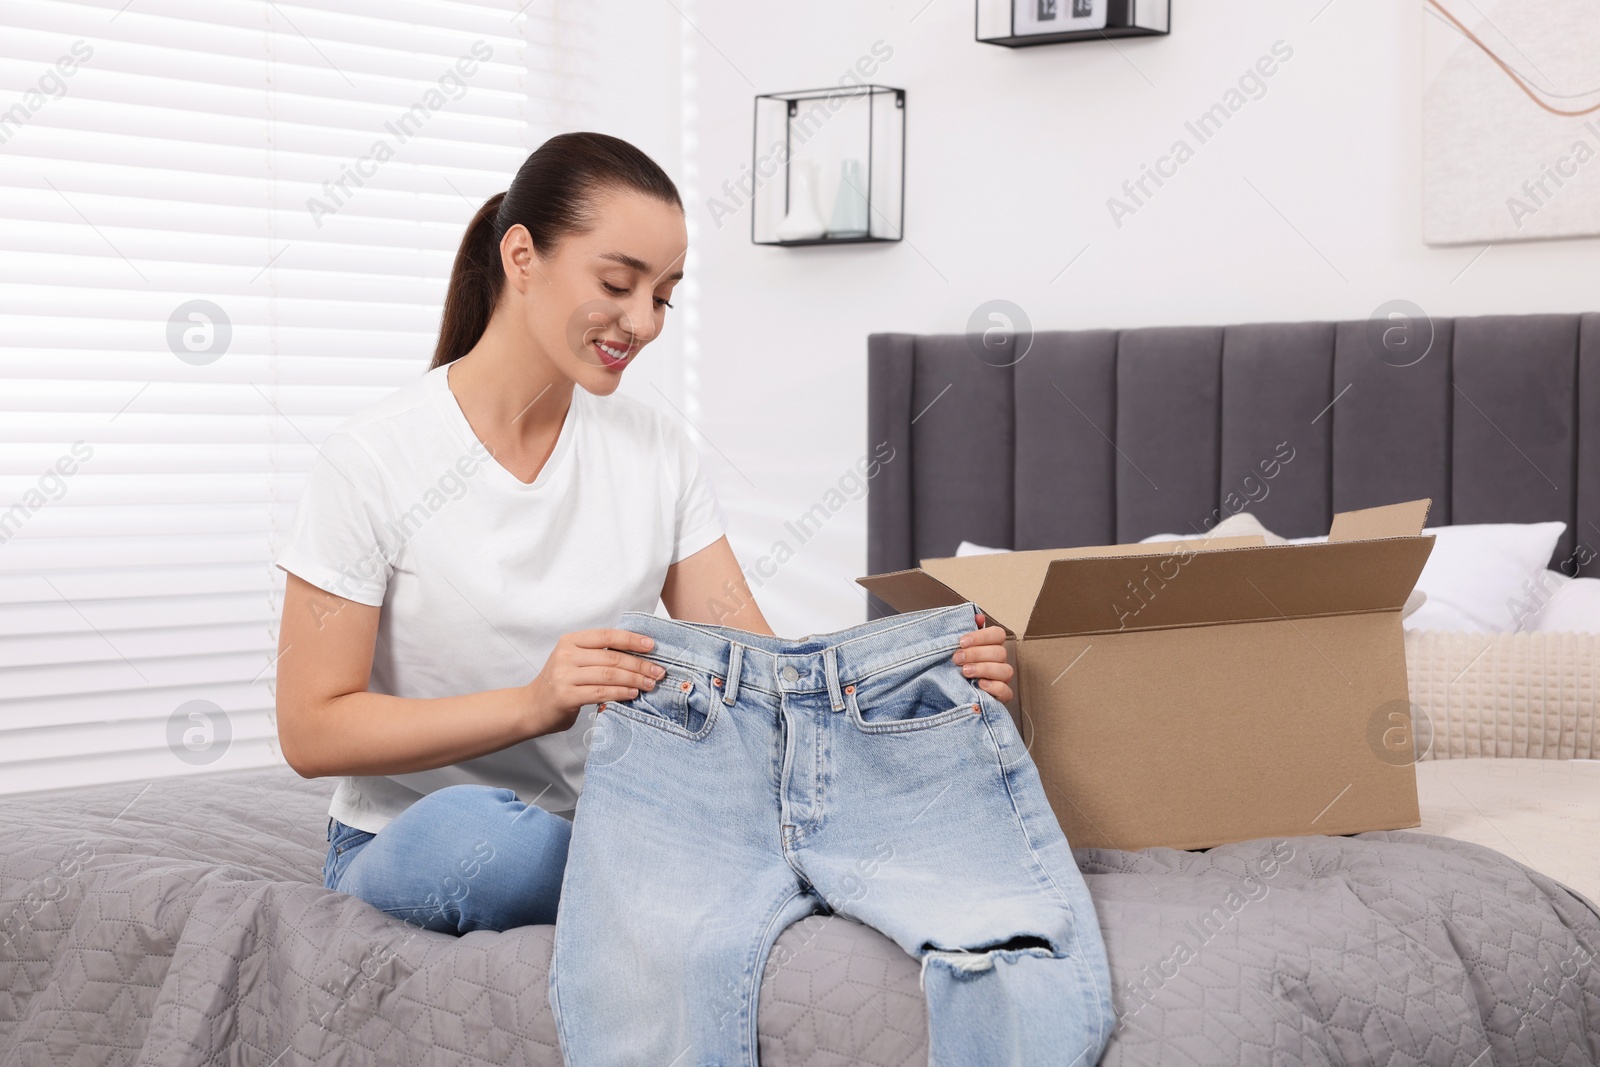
(1515,696)
(1543,813)
(184,922)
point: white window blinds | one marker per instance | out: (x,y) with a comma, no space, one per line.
(225,225)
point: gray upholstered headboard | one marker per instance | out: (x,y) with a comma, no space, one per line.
(1108,436)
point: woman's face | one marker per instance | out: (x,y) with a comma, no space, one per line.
(599,296)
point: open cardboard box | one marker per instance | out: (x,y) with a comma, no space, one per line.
(1196,693)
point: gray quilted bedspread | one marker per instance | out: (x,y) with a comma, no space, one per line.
(184,922)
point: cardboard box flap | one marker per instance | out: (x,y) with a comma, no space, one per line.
(1006,584)
(910,590)
(1108,594)
(1392,520)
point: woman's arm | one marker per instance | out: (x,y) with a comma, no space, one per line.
(709,587)
(329,724)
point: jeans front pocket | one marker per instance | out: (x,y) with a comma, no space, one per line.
(917,695)
(684,702)
(343,843)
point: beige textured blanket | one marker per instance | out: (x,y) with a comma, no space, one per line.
(1519,696)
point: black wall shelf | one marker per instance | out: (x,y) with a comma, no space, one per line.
(824,145)
(996,23)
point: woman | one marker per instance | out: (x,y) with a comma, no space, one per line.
(462,544)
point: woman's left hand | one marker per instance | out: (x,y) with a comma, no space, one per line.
(982,655)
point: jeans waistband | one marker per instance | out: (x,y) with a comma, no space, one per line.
(817,662)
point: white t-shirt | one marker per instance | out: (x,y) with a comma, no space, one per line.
(478,574)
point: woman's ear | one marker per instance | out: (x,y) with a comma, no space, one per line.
(518,258)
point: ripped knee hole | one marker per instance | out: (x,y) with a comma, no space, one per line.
(981,957)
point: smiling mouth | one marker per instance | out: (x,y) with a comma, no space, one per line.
(613,353)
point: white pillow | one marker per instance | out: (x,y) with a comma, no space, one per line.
(1570,605)
(1480,577)
(1245,523)
(1240,524)
(967,548)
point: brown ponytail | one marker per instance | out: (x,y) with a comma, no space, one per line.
(551,196)
(474,286)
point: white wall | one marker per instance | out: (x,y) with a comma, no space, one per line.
(1306,205)
(628,67)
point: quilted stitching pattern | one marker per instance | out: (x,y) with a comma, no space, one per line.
(1517,695)
(1385,948)
(183,921)
(837,993)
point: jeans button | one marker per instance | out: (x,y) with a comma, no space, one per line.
(790,675)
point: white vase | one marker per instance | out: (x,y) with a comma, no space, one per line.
(804,221)
(850,205)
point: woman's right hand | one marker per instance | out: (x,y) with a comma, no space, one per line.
(589,667)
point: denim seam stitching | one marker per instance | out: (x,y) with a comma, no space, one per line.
(1022,824)
(745,683)
(906,726)
(944,644)
(677,700)
(882,668)
(753,994)
(553,993)
(819,774)
(735,668)
(344,846)
(1093,980)
(894,726)
(666,725)
(914,619)
(697,668)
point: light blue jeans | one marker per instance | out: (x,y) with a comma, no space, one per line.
(466,857)
(859,773)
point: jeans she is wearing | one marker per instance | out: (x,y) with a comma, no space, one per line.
(466,857)
(858,772)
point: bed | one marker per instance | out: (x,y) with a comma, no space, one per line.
(1112,436)
(184,921)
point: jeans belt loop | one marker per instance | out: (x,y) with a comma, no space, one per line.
(730,691)
(830,665)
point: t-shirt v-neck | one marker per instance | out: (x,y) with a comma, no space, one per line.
(451,410)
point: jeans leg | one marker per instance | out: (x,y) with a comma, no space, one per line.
(676,889)
(951,850)
(462,858)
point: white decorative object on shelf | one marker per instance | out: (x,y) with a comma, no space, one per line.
(850,205)
(827,166)
(804,221)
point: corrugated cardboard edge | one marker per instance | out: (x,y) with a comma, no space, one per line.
(975,578)
(1006,584)
(1406,519)
(910,590)
(1108,595)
